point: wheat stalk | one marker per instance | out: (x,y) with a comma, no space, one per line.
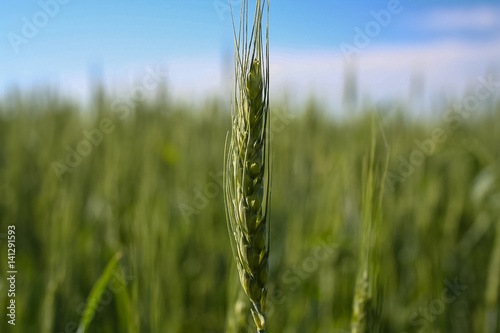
(246,166)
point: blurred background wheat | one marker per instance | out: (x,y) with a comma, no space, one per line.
(152,190)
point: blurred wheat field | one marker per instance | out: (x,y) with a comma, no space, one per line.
(149,186)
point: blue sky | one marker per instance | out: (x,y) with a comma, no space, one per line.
(193,37)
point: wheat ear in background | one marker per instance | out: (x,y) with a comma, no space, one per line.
(367,302)
(246,166)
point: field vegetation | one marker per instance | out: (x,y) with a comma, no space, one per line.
(143,187)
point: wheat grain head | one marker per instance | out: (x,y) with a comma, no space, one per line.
(246,166)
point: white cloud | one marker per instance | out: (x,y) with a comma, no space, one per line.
(383,72)
(481,18)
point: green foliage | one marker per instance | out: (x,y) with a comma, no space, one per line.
(152,188)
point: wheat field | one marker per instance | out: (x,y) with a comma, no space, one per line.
(84,188)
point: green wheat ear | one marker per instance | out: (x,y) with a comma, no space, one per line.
(368,297)
(246,162)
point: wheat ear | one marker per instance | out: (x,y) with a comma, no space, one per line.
(247,174)
(367,302)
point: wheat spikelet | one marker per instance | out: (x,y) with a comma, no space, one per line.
(246,188)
